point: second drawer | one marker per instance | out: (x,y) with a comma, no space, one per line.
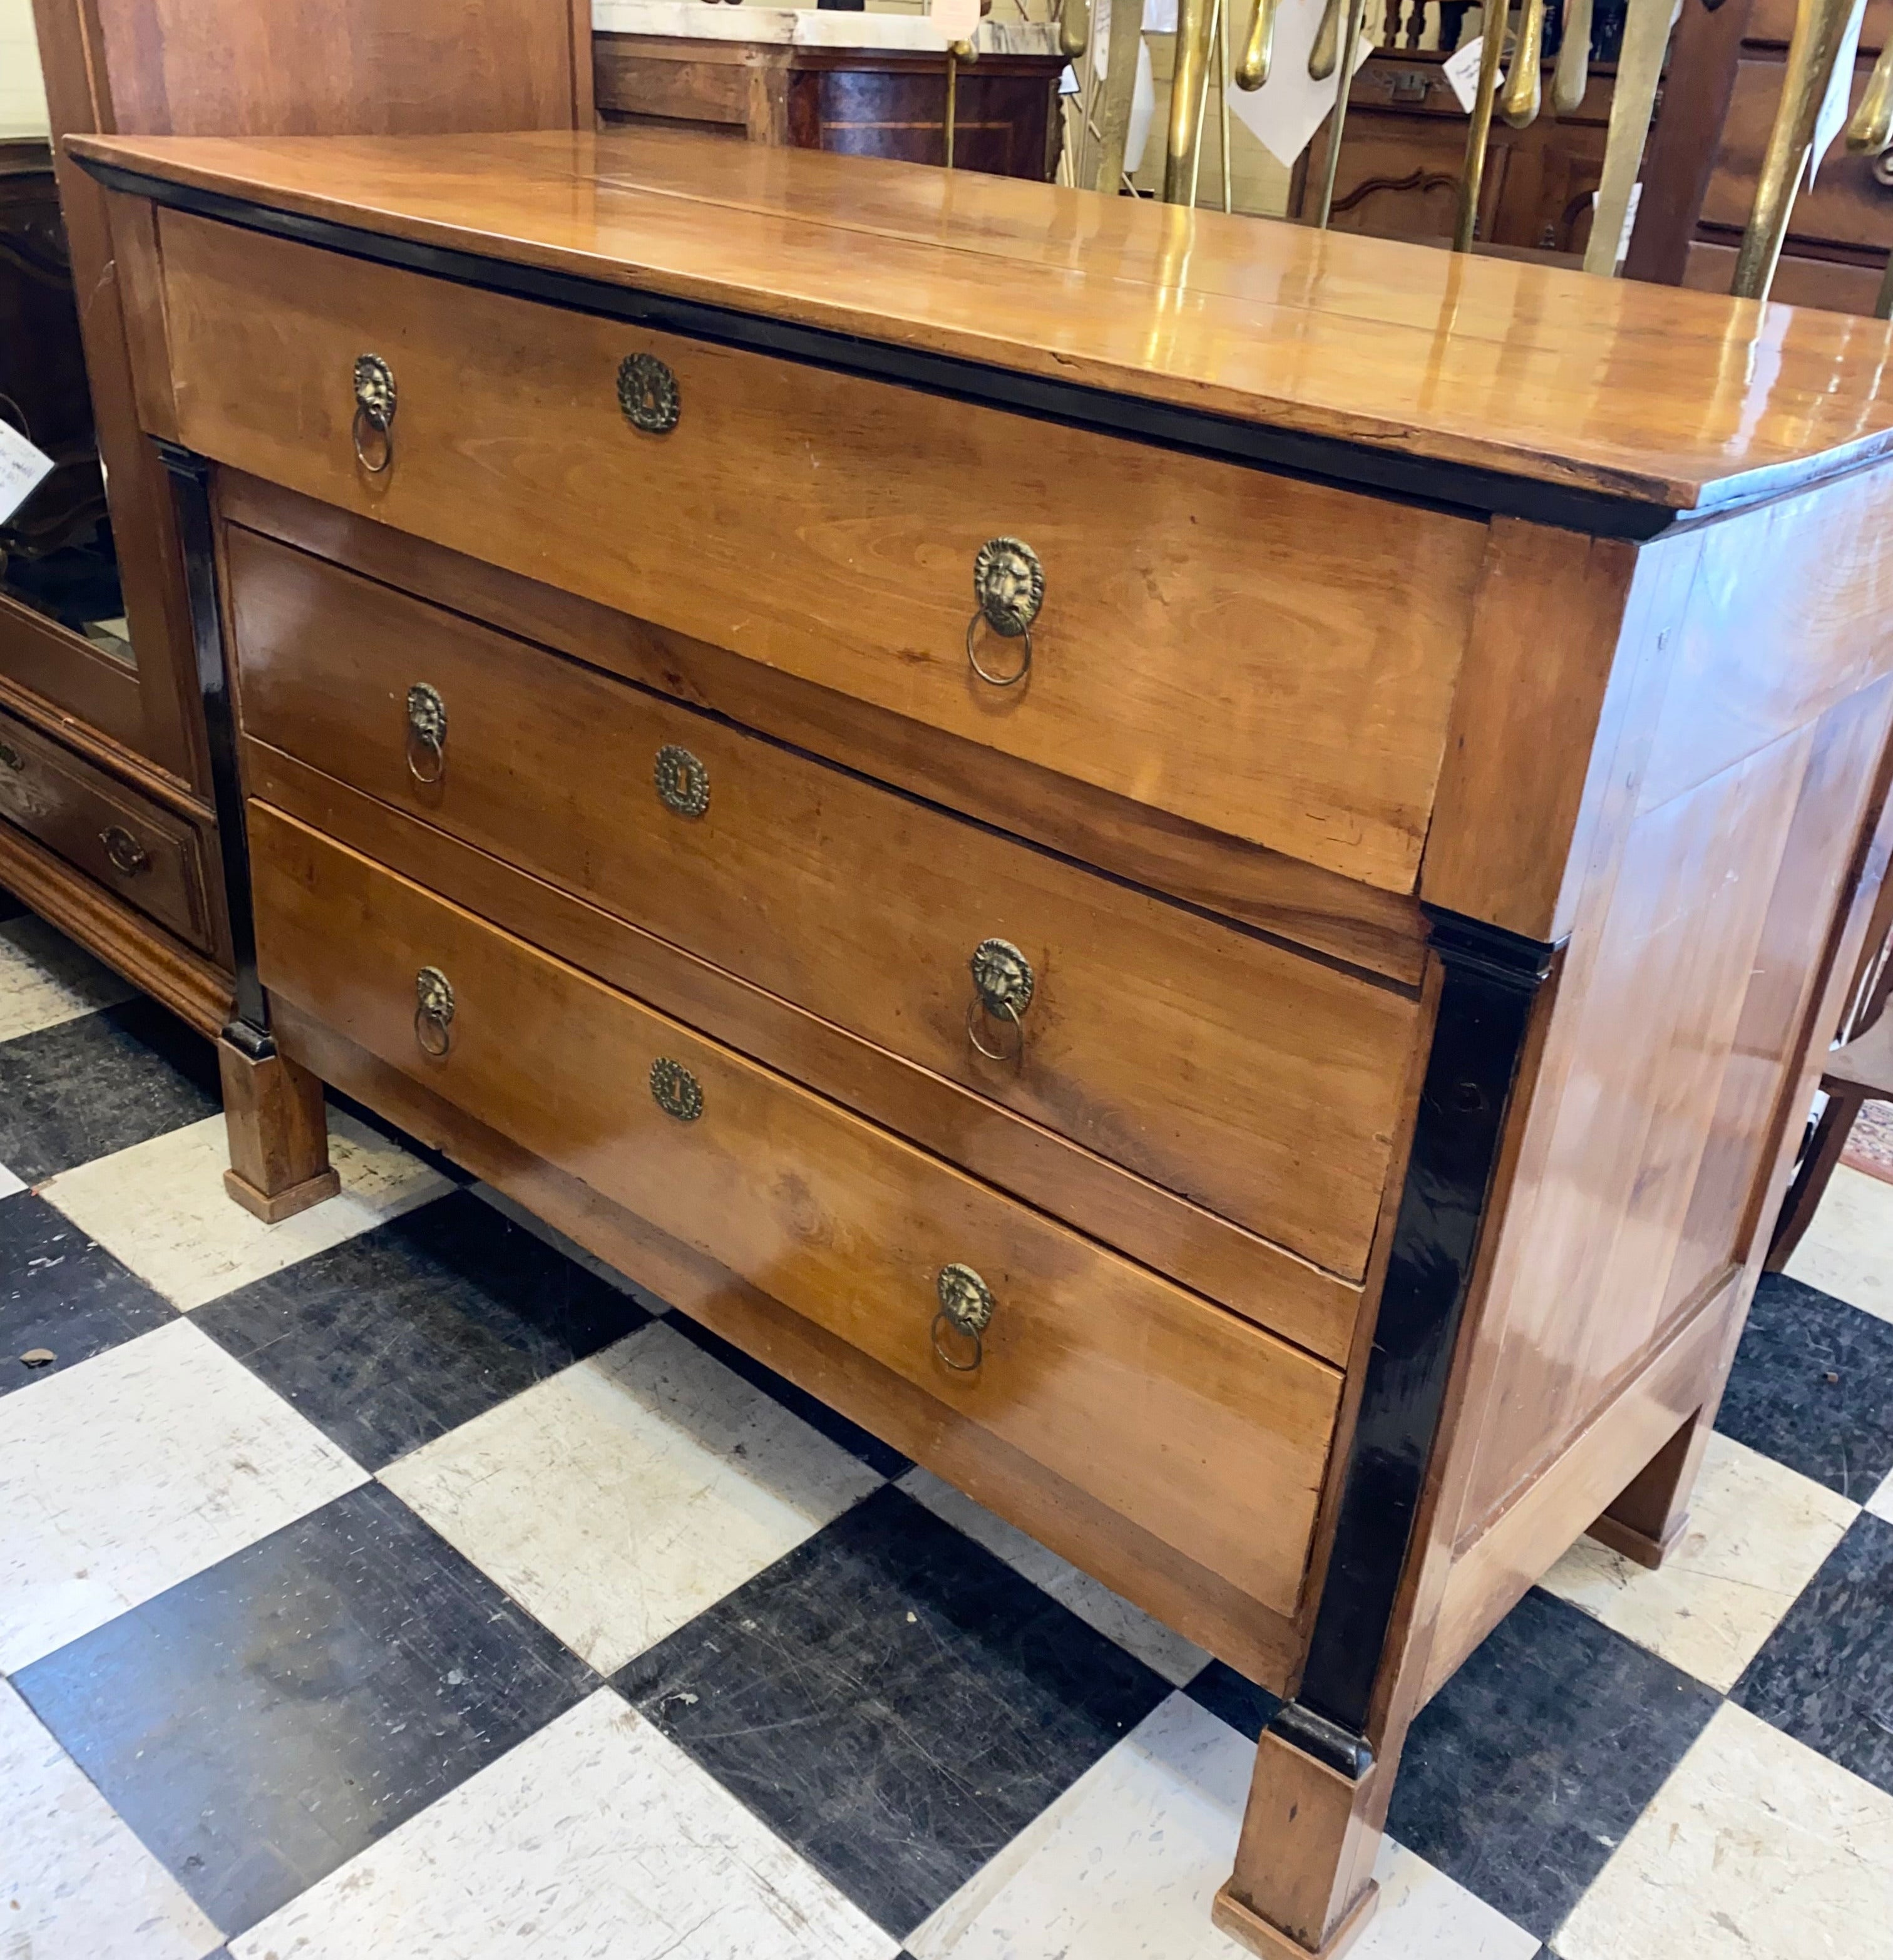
(1260,1083)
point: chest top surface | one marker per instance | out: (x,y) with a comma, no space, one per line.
(1671,400)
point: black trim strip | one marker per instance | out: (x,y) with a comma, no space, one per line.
(1490,981)
(189,474)
(1459,489)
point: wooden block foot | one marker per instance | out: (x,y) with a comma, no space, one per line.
(1249,1929)
(1639,1547)
(273,1207)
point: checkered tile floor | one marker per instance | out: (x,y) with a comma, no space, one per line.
(390,1583)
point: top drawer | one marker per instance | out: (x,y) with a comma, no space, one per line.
(1270,658)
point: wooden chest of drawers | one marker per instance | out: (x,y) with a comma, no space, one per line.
(1227,960)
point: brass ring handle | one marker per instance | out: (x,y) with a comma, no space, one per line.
(1009,587)
(1003,984)
(433,1012)
(966,1305)
(125,853)
(985,673)
(980,1008)
(427,730)
(374,394)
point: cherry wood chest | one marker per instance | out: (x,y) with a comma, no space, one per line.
(1192,867)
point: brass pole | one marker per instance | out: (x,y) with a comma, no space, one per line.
(1640,68)
(1819,27)
(1326,51)
(1203,101)
(1223,8)
(1252,70)
(957,52)
(1572,75)
(1519,101)
(1883,305)
(1120,84)
(1337,121)
(1186,80)
(1491,48)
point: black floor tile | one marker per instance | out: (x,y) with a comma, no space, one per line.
(1523,1773)
(10,906)
(419,1325)
(100,1083)
(850,1437)
(1809,1387)
(1825,1676)
(262,1722)
(62,1292)
(1244,1704)
(893,1701)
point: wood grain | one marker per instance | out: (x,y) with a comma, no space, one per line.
(1263,657)
(1679,398)
(1193,1424)
(277,1125)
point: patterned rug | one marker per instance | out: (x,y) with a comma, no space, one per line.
(1869,1146)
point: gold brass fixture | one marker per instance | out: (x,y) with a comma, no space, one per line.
(1337,117)
(683,783)
(674,1090)
(648,393)
(427,732)
(1258,51)
(1009,584)
(1074,27)
(126,855)
(433,1011)
(1187,80)
(958,53)
(1478,131)
(1870,129)
(1572,77)
(1639,72)
(1326,52)
(1003,984)
(966,1305)
(1520,99)
(1819,27)
(374,395)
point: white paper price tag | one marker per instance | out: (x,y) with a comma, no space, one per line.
(1834,108)
(1284,114)
(23,469)
(1461,70)
(955,19)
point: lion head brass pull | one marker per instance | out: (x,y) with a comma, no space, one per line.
(427,732)
(683,783)
(967,1306)
(433,1011)
(123,851)
(674,1090)
(1002,983)
(374,412)
(648,393)
(1009,584)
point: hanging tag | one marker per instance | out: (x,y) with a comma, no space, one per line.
(23,469)
(1461,70)
(1284,114)
(1834,108)
(955,19)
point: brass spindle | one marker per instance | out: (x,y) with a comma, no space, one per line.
(1478,131)
(1640,68)
(1344,67)
(1519,101)
(1572,74)
(1186,98)
(1259,51)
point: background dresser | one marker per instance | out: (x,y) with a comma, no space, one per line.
(1192,867)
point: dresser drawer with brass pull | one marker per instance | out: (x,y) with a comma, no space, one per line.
(1267,656)
(148,856)
(1260,1083)
(1193,1424)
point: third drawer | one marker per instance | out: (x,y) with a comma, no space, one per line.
(1256,1081)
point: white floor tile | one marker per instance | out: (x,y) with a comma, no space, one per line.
(622,1496)
(136,1469)
(1881,1502)
(74,1883)
(595,1840)
(1757,1533)
(9,1184)
(1757,1848)
(1848,1251)
(46,979)
(1177,1660)
(508,1208)
(1125,1865)
(161,1207)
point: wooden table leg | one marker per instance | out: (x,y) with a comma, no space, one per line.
(278,1134)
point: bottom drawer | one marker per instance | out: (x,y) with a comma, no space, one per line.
(150,857)
(1194,1424)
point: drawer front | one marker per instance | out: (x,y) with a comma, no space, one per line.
(148,857)
(1270,658)
(1191,1422)
(1261,1084)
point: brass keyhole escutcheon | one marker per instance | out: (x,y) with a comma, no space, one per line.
(123,851)
(683,783)
(648,393)
(427,734)
(967,1306)
(1009,585)
(1003,986)
(674,1090)
(433,1011)
(374,394)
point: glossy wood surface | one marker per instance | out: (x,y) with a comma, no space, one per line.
(1201,1057)
(1380,932)
(1641,391)
(1264,656)
(1194,1424)
(147,856)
